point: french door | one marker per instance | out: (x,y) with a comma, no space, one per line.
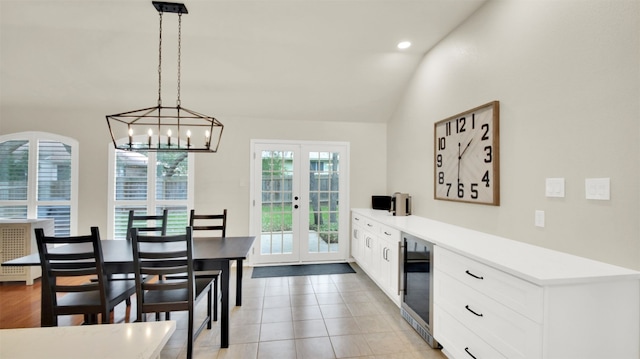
(299,205)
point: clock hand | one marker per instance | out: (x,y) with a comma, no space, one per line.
(465,149)
(459,157)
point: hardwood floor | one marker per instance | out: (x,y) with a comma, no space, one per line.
(20,307)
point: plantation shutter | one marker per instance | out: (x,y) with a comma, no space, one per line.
(148,183)
(54,184)
(14,173)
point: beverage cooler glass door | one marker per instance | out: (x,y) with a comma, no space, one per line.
(418,286)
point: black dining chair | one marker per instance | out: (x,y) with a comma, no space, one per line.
(141,222)
(61,269)
(209,222)
(215,223)
(163,256)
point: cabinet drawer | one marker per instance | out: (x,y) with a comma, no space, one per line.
(389,233)
(511,333)
(371,225)
(521,296)
(458,340)
(357,219)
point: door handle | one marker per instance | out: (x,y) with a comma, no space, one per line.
(400,263)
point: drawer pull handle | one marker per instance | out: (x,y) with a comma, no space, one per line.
(471,310)
(369,224)
(473,275)
(387,233)
(468,352)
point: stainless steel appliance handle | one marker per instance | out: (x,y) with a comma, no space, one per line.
(401,263)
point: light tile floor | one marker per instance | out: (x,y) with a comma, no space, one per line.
(326,316)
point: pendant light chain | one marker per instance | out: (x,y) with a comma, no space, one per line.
(160,63)
(179,54)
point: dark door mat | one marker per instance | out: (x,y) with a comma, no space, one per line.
(301,269)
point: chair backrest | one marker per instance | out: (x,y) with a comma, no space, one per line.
(214,222)
(141,222)
(162,256)
(87,260)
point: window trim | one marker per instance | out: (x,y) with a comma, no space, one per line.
(151,202)
(32,183)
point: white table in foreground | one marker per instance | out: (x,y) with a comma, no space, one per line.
(127,340)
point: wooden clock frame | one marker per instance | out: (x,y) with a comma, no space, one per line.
(485,154)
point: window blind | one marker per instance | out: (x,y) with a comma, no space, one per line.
(14,170)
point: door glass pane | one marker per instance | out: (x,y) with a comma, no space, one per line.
(14,169)
(54,171)
(172,175)
(277,215)
(323,201)
(131,175)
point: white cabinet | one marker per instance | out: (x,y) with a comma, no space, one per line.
(483,312)
(375,248)
(499,298)
(388,261)
(17,239)
(356,237)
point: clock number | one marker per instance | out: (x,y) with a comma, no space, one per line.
(485,135)
(485,178)
(448,188)
(441,143)
(440,177)
(460,190)
(489,157)
(460,123)
(448,128)
(474,190)
(473,121)
(439,160)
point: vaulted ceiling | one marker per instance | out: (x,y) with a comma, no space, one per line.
(324,60)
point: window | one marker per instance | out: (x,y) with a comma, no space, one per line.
(39,178)
(149,182)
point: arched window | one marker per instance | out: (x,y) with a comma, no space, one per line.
(149,182)
(39,178)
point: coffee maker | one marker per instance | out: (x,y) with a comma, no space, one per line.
(400,204)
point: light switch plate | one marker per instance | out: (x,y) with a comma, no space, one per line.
(598,188)
(539,218)
(554,187)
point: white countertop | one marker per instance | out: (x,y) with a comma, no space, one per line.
(536,264)
(125,340)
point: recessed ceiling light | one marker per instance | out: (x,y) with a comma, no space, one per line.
(404,45)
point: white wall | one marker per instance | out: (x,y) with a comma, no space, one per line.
(222,179)
(567,75)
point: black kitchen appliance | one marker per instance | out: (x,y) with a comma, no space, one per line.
(416,286)
(381,202)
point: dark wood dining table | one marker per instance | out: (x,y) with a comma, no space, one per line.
(209,253)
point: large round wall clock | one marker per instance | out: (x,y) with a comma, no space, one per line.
(467,156)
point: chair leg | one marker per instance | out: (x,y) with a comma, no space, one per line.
(215,300)
(190,335)
(209,305)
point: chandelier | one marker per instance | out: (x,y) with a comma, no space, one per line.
(162,128)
